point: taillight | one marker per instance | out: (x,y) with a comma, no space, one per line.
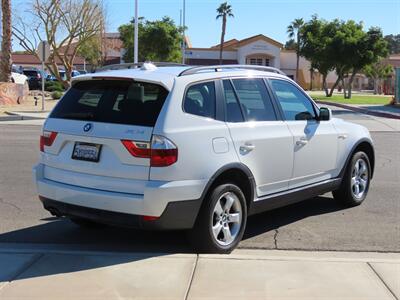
(162,152)
(149,218)
(137,149)
(47,139)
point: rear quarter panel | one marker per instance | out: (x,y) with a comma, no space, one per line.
(204,145)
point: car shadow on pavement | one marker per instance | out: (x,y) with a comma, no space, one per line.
(278,218)
(131,246)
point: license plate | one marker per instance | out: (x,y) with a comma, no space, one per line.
(86,151)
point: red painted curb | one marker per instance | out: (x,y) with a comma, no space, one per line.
(362,110)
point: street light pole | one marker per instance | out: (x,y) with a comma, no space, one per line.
(136,38)
(183,24)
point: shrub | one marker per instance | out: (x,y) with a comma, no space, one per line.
(57,95)
(53,86)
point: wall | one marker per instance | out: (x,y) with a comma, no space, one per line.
(288,65)
(209,54)
(260,47)
(12,94)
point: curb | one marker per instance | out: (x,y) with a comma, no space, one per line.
(16,116)
(11,118)
(361,110)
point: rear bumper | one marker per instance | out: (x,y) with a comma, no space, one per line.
(173,203)
(177,215)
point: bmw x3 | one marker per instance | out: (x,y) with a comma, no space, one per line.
(171,147)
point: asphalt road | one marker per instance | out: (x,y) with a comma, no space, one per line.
(316,224)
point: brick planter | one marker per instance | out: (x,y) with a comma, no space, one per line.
(12,93)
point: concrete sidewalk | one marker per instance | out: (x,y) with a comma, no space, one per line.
(244,274)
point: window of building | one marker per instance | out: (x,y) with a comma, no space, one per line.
(256,61)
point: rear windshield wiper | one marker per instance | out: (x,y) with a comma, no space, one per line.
(78,116)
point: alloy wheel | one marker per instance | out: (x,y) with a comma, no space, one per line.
(359,178)
(227,219)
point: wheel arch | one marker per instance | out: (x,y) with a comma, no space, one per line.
(236,173)
(366,146)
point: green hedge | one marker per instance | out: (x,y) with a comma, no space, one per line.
(57,95)
(53,86)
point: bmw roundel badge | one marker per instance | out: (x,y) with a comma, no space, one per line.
(87,127)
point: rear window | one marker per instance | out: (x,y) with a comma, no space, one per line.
(30,73)
(112,101)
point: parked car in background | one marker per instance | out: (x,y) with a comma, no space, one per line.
(73,74)
(194,148)
(35,77)
(17,76)
(51,77)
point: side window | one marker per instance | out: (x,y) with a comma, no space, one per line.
(233,112)
(295,105)
(254,99)
(200,100)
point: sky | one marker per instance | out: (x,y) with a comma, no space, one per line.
(252,17)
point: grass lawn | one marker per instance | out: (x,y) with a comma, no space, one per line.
(355,99)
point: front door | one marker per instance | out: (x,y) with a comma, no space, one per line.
(262,142)
(315,142)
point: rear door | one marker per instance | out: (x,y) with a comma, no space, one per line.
(95,124)
(262,141)
(315,143)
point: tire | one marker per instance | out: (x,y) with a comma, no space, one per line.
(356,180)
(228,219)
(86,223)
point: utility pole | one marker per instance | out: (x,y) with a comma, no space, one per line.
(136,38)
(1,26)
(183,24)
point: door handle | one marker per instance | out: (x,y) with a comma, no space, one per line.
(303,141)
(247,147)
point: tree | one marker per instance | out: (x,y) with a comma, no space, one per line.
(66,24)
(341,46)
(223,11)
(6,62)
(293,31)
(393,43)
(159,40)
(291,45)
(377,72)
(314,43)
(364,48)
(91,51)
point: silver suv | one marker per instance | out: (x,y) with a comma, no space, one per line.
(194,148)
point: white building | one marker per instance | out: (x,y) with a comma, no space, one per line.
(262,50)
(257,50)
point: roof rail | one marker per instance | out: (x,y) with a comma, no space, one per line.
(138,65)
(219,68)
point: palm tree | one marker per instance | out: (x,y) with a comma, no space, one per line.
(224,11)
(5,63)
(293,31)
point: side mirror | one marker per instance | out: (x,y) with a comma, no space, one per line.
(325,114)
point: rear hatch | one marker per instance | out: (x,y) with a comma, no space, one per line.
(84,142)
